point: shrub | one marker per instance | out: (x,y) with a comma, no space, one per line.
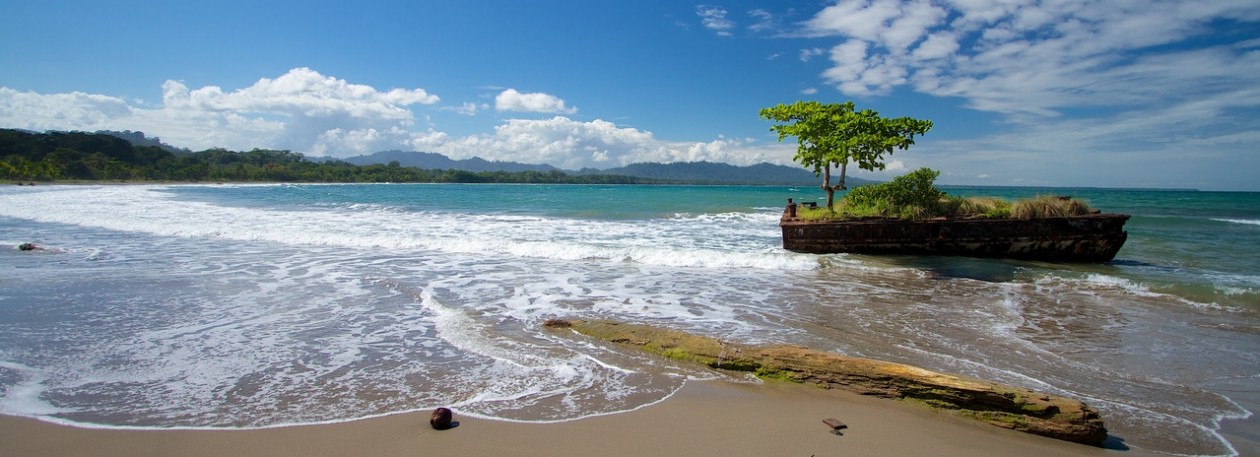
(909,196)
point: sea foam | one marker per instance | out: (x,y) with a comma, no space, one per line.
(679,242)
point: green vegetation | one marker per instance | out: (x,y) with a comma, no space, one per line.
(980,207)
(913,196)
(910,196)
(831,134)
(51,156)
(1048,206)
(834,134)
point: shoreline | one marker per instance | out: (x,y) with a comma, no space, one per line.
(704,417)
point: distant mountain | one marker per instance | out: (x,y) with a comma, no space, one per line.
(434,161)
(719,173)
(139,139)
(690,172)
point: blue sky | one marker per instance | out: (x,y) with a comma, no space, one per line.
(1065,93)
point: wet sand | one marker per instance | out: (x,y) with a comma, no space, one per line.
(704,418)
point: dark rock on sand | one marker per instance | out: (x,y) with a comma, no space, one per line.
(1001,405)
(441,419)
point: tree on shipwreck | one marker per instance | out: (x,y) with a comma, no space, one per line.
(834,134)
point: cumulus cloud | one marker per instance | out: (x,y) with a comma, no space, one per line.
(307,112)
(534,102)
(573,144)
(35,111)
(301,110)
(302,92)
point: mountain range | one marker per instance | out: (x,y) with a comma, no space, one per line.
(688,172)
(691,172)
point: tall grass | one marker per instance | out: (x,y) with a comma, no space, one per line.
(821,213)
(1047,206)
(981,207)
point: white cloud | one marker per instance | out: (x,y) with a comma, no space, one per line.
(467,108)
(320,116)
(534,102)
(1182,144)
(1108,84)
(345,142)
(858,73)
(714,18)
(1021,57)
(810,53)
(35,111)
(301,110)
(764,20)
(303,92)
(937,45)
(863,19)
(573,144)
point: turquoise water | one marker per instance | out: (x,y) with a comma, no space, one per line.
(252,306)
(1198,245)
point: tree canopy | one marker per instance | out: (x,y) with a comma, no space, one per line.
(835,134)
(26,156)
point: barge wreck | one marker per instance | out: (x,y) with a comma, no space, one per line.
(1086,238)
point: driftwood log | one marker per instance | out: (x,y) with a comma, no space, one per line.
(1004,406)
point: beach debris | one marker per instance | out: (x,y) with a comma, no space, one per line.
(441,419)
(1005,406)
(836,425)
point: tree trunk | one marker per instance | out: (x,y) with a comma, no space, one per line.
(826,186)
(831,190)
(844,168)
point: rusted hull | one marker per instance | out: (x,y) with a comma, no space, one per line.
(1091,238)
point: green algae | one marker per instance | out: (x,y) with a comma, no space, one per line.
(992,403)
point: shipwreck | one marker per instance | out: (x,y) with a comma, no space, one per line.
(1085,238)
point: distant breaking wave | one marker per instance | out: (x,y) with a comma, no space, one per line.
(1240,221)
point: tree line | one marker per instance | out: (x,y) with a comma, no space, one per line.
(51,156)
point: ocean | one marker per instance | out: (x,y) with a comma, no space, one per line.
(247,306)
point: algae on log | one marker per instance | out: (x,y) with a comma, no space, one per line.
(1005,406)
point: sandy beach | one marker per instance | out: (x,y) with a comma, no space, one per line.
(704,418)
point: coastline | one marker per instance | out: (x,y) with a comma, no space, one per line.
(704,417)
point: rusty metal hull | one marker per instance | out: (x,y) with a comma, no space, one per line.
(1090,238)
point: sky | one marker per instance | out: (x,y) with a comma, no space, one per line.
(1112,93)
